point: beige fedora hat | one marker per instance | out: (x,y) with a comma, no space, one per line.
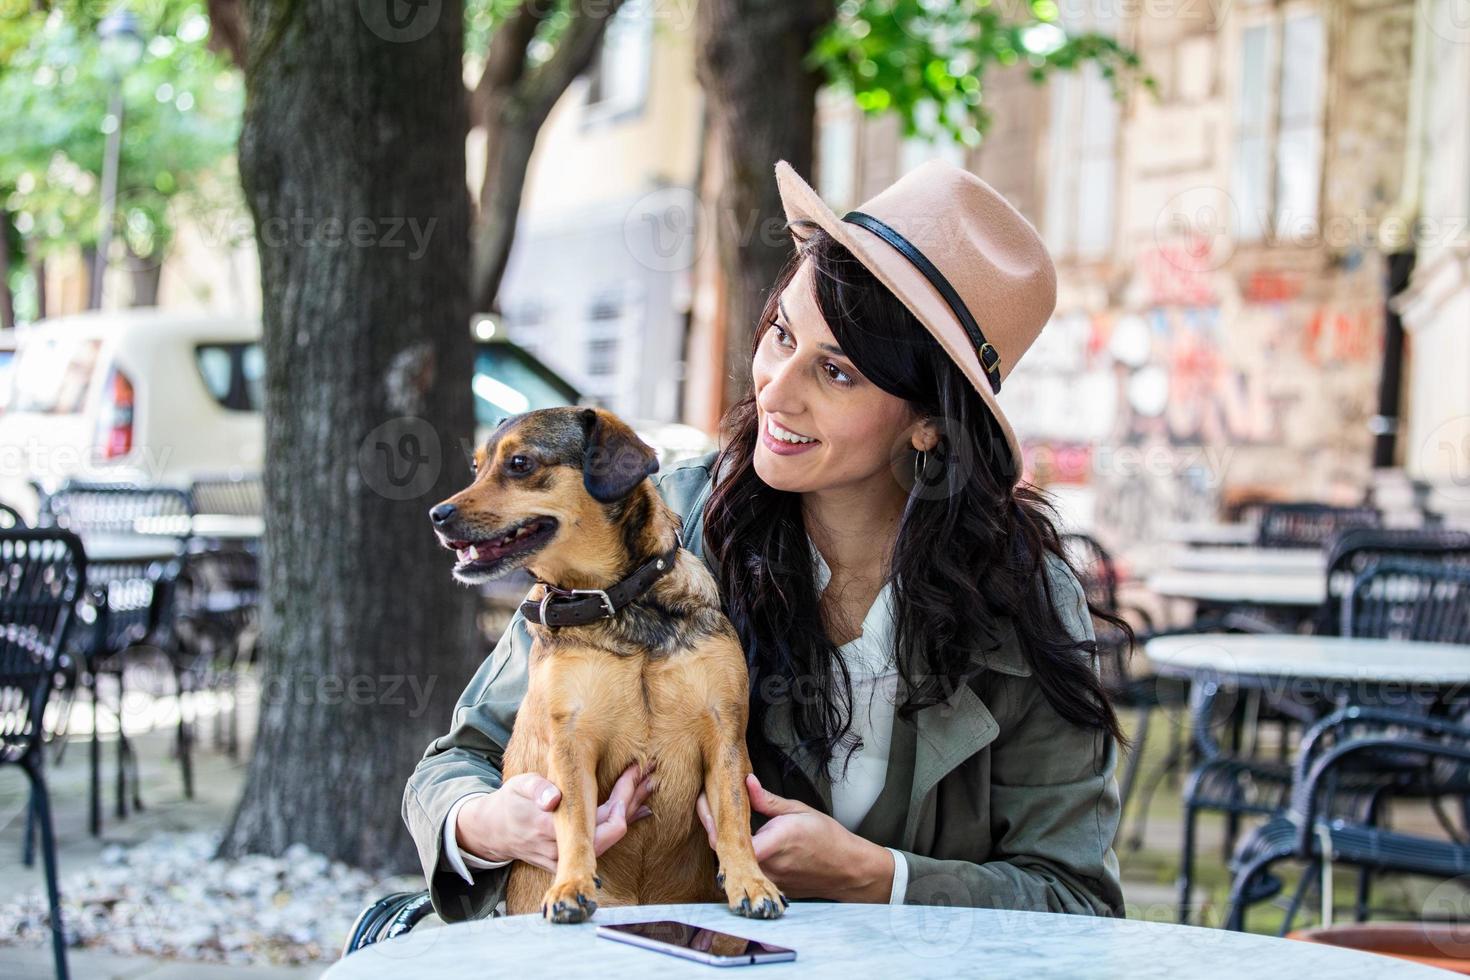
(958,255)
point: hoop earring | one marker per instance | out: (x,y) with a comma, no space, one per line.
(921,464)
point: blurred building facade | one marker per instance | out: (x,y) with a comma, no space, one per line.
(1220,320)
(598,283)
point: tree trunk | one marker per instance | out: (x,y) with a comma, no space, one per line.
(7,299)
(511,101)
(352,161)
(762,106)
(144,271)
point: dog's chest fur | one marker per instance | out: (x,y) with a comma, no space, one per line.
(638,690)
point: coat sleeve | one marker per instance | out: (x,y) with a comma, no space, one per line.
(1054,808)
(467,760)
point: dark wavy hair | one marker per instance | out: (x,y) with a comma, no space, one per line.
(995,532)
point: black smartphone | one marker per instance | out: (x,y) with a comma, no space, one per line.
(696,943)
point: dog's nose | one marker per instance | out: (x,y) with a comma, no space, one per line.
(442,514)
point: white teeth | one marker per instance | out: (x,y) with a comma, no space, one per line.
(785,435)
(473,552)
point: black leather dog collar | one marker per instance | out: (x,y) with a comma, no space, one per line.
(578,607)
(989,356)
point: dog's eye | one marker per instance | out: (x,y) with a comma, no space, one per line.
(520,464)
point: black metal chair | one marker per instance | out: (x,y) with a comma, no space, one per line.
(1406,599)
(42,576)
(1334,811)
(1126,687)
(1352,551)
(129,616)
(390,916)
(135,607)
(1308,525)
(118,508)
(217,621)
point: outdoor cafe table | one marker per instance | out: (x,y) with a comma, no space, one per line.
(1299,589)
(1264,561)
(1259,660)
(227,527)
(1206,533)
(129,547)
(847,941)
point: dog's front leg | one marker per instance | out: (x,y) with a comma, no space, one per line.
(726,761)
(572,766)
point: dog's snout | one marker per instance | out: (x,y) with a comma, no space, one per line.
(442,514)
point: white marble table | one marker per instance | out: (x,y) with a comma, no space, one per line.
(1211,533)
(1330,658)
(231,527)
(1300,589)
(1250,560)
(130,547)
(849,941)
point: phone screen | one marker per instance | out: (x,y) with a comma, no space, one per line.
(699,940)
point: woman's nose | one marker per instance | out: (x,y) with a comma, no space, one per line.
(781,394)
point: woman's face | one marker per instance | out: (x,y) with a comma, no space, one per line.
(806,386)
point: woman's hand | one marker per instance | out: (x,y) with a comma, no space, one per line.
(808,854)
(515,821)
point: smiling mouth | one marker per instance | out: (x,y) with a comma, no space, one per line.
(485,555)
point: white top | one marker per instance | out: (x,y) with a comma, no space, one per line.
(845,940)
(1313,657)
(873,672)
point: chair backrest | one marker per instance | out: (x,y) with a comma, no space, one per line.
(1404,599)
(1306,525)
(118,508)
(1354,550)
(242,497)
(42,574)
(138,597)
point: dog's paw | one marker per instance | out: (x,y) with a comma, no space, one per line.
(752,895)
(571,900)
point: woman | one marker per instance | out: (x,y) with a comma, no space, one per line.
(927,723)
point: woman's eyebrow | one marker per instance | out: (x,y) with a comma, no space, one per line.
(829,348)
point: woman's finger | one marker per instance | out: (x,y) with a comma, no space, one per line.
(622,789)
(701,808)
(611,830)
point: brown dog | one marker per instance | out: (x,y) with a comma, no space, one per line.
(565,492)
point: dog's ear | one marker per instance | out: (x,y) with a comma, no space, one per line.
(614,459)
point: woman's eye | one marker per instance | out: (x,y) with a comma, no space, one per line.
(781,335)
(841,376)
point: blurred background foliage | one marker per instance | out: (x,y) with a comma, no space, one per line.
(181,104)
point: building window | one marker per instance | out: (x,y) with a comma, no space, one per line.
(1082,170)
(1276,169)
(837,135)
(618,77)
(604,338)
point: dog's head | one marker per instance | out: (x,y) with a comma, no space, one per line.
(538,474)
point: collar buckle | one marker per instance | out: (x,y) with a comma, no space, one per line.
(557,592)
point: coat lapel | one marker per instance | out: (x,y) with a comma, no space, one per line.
(946,733)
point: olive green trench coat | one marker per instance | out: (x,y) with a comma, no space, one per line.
(995,800)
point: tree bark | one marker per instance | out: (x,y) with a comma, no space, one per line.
(762,105)
(145,272)
(352,161)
